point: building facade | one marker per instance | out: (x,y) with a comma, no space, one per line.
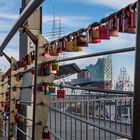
(97,76)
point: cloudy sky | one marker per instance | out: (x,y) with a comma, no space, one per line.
(75,14)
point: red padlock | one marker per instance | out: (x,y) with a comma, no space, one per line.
(104,32)
(120,23)
(61,93)
(7,94)
(129,22)
(2,104)
(18,105)
(22,63)
(46,135)
(7,107)
(41,70)
(32,71)
(17,118)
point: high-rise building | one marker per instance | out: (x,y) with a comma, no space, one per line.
(102,70)
(98,75)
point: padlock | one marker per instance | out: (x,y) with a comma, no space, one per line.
(93,36)
(28,59)
(7,98)
(42,70)
(71,45)
(46,135)
(18,105)
(47,70)
(53,52)
(52,89)
(61,93)
(47,93)
(2,104)
(55,67)
(47,55)
(42,86)
(81,40)
(7,93)
(14,88)
(128,24)
(11,137)
(17,118)
(59,48)
(64,43)
(22,63)
(7,107)
(33,56)
(120,23)
(112,26)
(32,71)
(104,32)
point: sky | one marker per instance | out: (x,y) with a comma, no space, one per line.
(75,14)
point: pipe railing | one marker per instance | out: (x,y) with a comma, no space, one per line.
(121,134)
(113,92)
(124,50)
(23,132)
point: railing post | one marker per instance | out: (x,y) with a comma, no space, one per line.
(87,110)
(136,107)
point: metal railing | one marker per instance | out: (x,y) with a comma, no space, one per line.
(101,119)
(83,119)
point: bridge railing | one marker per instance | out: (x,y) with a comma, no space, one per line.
(101,119)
